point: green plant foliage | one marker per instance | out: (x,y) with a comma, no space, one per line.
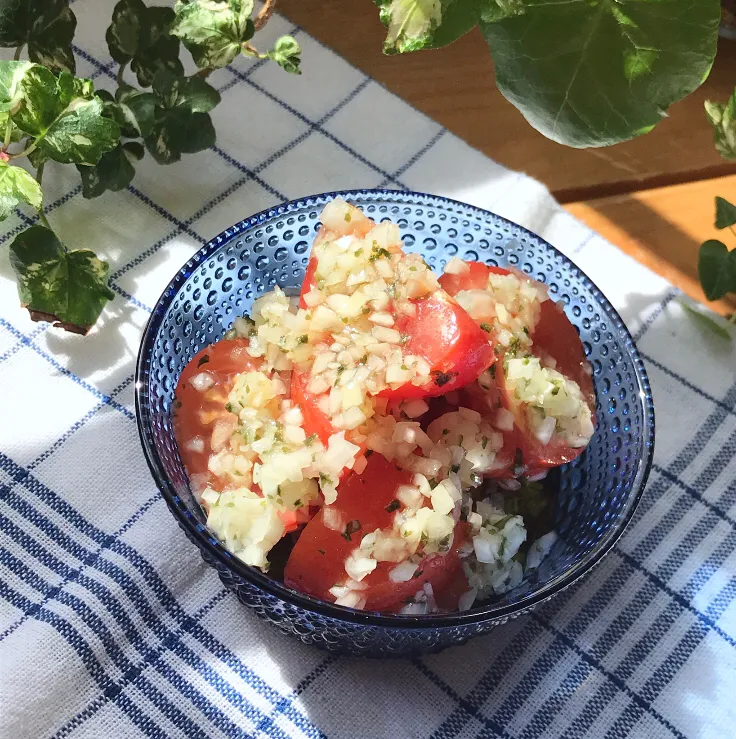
(46,27)
(57,285)
(583,72)
(48,115)
(213,32)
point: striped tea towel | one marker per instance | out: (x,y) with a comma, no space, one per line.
(110,623)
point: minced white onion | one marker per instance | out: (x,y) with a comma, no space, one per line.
(195,445)
(358,566)
(202,381)
(456,266)
(504,419)
(352,599)
(403,572)
(333,519)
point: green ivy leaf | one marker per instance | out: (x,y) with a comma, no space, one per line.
(593,73)
(46,26)
(191,94)
(134,150)
(64,116)
(706,322)
(287,54)
(722,116)
(68,288)
(134,111)
(113,172)
(725,213)
(716,269)
(181,121)
(11,75)
(81,134)
(180,133)
(426,24)
(37,158)
(213,31)
(142,36)
(496,10)
(40,101)
(17,185)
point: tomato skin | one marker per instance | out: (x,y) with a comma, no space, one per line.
(309,282)
(362,498)
(443,334)
(444,572)
(198,411)
(476,278)
(315,421)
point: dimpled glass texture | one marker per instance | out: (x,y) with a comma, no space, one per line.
(598,492)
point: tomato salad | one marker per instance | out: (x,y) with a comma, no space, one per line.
(381,424)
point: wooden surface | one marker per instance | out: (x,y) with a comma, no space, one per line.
(664,227)
(653,196)
(455,86)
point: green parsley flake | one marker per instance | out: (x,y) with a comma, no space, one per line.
(350,529)
(379,253)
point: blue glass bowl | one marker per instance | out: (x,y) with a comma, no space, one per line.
(598,492)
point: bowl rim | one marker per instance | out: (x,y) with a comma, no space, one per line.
(211,549)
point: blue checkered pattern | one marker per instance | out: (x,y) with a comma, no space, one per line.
(110,625)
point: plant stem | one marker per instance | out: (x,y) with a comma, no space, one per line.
(251,51)
(8,134)
(25,152)
(44,220)
(121,72)
(41,214)
(204,73)
(264,15)
(16,56)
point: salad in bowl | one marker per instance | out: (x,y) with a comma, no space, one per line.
(382,440)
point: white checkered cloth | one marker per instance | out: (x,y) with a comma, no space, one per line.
(110,623)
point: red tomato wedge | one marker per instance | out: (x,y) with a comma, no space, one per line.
(476,278)
(308,283)
(554,335)
(454,346)
(199,411)
(315,420)
(317,562)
